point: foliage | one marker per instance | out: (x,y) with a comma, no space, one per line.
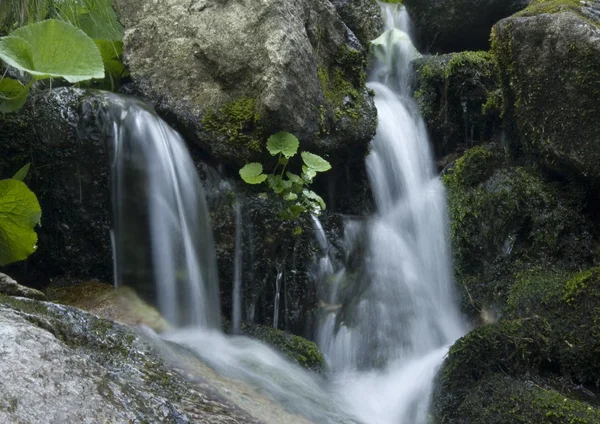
(292,188)
(19,212)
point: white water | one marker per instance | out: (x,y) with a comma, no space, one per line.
(391,323)
(161,222)
(236,298)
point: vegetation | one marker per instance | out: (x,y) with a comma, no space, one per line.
(294,189)
(20,212)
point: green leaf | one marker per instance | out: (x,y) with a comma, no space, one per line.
(22,173)
(13,95)
(293,177)
(252,173)
(284,143)
(290,197)
(314,196)
(315,162)
(19,212)
(308,174)
(297,231)
(52,48)
(111,52)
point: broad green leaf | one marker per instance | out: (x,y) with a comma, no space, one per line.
(53,48)
(297,231)
(22,173)
(19,212)
(315,162)
(308,174)
(284,143)
(10,87)
(18,99)
(111,52)
(314,196)
(273,181)
(252,173)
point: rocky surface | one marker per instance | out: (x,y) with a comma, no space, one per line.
(363,17)
(550,65)
(445,26)
(10,287)
(460,99)
(229,74)
(61,365)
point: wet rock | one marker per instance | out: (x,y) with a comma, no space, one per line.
(229,74)
(550,65)
(363,17)
(10,287)
(60,364)
(120,304)
(69,174)
(447,26)
(460,99)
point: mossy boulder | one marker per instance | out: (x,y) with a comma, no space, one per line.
(460,99)
(229,74)
(505,215)
(548,341)
(550,67)
(455,25)
(303,352)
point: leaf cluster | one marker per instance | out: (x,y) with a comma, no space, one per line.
(294,189)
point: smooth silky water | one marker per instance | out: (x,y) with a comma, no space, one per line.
(386,320)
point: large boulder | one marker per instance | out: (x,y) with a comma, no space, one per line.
(455,25)
(229,74)
(459,98)
(550,66)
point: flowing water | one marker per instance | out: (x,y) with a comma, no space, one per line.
(388,314)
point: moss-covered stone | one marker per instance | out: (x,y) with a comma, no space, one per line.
(458,97)
(582,8)
(550,67)
(363,17)
(550,334)
(505,216)
(305,353)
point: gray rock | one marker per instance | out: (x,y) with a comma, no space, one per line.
(550,65)
(228,74)
(456,25)
(363,17)
(61,365)
(10,287)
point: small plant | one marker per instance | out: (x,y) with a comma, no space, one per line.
(294,189)
(20,212)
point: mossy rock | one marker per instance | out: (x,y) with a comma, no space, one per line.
(504,216)
(363,17)
(551,333)
(550,67)
(459,97)
(303,352)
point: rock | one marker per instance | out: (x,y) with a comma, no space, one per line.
(69,174)
(10,287)
(505,217)
(460,99)
(229,74)
(445,26)
(363,17)
(542,356)
(550,66)
(303,352)
(120,304)
(62,365)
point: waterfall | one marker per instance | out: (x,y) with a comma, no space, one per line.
(396,315)
(236,298)
(161,229)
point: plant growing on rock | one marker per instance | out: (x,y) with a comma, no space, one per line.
(291,187)
(20,212)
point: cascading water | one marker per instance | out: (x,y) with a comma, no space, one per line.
(162,231)
(396,317)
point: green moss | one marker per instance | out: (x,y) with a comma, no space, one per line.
(538,7)
(451,92)
(343,84)
(238,122)
(303,352)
